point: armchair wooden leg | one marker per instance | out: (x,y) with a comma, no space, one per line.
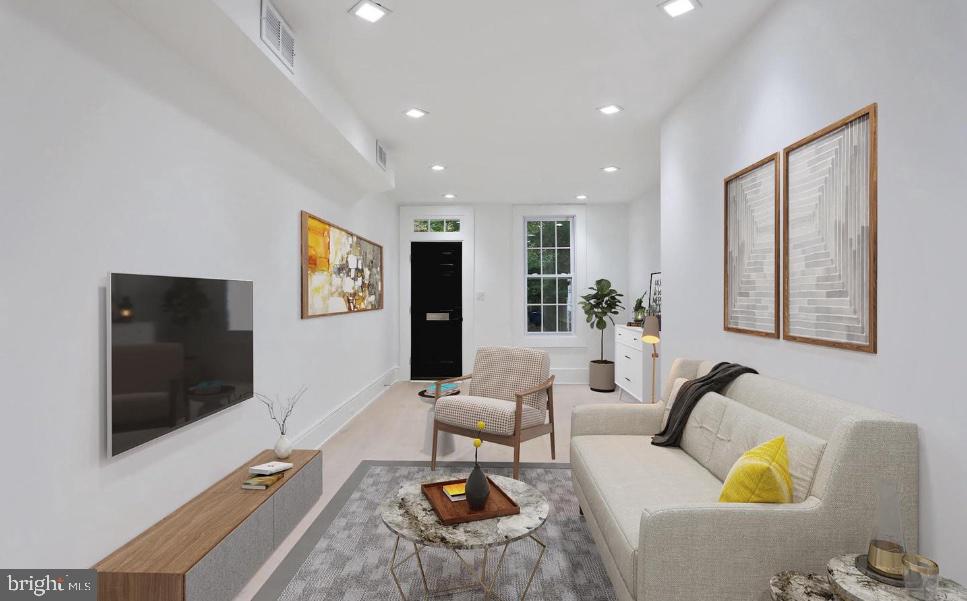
(433,454)
(517,459)
(550,415)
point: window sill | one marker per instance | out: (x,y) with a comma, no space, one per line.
(552,341)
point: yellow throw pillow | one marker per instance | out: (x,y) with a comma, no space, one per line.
(761,475)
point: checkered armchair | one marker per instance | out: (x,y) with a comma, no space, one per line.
(511,390)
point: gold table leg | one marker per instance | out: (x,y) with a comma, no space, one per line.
(479,579)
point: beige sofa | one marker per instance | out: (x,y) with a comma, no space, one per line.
(654,511)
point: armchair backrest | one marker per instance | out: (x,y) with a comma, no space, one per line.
(499,372)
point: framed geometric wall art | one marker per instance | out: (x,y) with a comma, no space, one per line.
(654,295)
(751,304)
(341,271)
(829,226)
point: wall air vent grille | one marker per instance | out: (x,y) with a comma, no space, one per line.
(277,35)
(380,155)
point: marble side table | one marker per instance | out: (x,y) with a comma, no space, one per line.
(793,586)
(445,443)
(850,584)
(410,517)
(844,582)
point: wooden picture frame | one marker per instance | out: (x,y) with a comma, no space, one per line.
(756,176)
(654,285)
(349,298)
(850,183)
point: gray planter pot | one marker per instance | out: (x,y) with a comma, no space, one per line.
(601,375)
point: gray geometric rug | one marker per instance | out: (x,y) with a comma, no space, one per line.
(345,554)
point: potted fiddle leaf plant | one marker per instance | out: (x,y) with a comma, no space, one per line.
(600,306)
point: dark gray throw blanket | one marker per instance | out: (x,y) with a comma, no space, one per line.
(688,396)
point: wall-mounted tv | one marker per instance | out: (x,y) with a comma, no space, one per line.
(179,350)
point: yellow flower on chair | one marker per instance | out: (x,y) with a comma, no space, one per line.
(477,442)
(481,425)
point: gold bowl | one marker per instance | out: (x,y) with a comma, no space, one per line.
(886,558)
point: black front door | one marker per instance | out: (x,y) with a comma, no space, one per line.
(436,310)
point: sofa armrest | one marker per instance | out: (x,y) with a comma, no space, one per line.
(617,418)
(733,549)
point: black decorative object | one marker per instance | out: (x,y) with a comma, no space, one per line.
(478,488)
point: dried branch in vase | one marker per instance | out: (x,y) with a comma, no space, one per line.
(280,411)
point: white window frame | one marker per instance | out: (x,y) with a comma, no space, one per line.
(570,274)
(577,214)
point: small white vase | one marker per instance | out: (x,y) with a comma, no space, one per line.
(283,447)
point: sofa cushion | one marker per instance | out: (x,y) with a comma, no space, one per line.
(620,475)
(761,475)
(465,411)
(721,429)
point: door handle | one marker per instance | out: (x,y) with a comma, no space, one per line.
(442,316)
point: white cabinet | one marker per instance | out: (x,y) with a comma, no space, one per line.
(629,361)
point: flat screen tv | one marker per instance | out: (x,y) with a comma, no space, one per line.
(180,350)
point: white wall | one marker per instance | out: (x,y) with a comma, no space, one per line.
(807,64)
(607,257)
(118,155)
(644,243)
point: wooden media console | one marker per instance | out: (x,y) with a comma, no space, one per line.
(207,549)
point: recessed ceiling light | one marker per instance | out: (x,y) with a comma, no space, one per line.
(609,169)
(449,196)
(415,113)
(676,8)
(437,167)
(610,109)
(581,197)
(367,10)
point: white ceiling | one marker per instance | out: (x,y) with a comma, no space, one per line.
(512,86)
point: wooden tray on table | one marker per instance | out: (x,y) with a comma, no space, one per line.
(499,504)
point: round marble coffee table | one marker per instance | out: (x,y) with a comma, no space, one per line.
(411,518)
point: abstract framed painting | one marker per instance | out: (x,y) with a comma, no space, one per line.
(751,271)
(342,272)
(829,227)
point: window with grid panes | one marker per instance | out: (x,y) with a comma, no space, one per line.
(550,271)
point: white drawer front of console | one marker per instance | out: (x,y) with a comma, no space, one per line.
(221,574)
(295,499)
(629,338)
(629,370)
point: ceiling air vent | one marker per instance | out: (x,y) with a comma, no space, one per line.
(380,155)
(277,35)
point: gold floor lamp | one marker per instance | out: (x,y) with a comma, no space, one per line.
(650,336)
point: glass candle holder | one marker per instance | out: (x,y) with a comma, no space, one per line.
(921,577)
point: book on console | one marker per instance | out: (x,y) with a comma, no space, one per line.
(261,482)
(267,469)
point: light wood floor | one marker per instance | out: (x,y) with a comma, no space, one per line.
(394,426)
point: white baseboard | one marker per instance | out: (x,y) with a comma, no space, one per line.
(318,433)
(570,375)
